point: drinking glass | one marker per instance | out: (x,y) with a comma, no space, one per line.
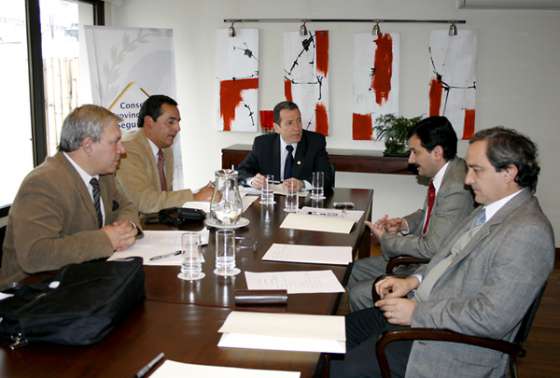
(267,191)
(318,183)
(225,253)
(191,266)
(291,204)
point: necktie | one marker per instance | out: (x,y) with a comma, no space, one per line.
(431,200)
(437,271)
(161,171)
(97,200)
(289,162)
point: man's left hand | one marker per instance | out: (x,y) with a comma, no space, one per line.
(298,184)
(397,310)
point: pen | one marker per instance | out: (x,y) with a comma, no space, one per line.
(142,372)
(159,257)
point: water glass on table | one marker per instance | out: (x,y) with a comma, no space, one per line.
(317,185)
(225,253)
(291,204)
(267,191)
(191,266)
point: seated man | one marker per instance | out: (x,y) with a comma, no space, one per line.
(433,149)
(480,283)
(146,172)
(290,155)
(68,209)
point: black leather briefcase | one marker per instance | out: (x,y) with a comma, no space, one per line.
(80,305)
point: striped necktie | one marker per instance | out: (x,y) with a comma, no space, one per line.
(97,200)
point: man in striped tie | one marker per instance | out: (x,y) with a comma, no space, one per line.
(69,209)
(433,149)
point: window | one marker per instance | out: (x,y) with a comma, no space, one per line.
(40,73)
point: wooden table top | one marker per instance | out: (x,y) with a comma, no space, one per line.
(182,318)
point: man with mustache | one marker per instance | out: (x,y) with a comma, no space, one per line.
(433,149)
(291,154)
(146,172)
(69,209)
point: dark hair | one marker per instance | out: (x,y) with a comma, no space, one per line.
(152,107)
(507,147)
(289,105)
(436,131)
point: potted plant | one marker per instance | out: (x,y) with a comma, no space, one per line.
(394,131)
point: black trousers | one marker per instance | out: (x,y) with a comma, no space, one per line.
(363,328)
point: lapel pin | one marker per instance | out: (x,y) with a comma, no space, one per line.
(299,162)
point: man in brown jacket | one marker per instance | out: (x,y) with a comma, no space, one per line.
(146,172)
(69,209)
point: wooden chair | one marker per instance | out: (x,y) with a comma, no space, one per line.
(514,349)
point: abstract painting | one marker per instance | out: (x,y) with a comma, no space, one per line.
(306,69)
(238,79)
(375,81)
(452,89)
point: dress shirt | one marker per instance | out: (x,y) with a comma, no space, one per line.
(86,178)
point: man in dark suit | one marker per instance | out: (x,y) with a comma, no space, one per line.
(481,282)
(69,209)
(290,155)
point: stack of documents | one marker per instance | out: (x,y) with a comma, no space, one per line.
(308,222)
(295,332)
(157,243)
(312,254)
(205,206)
(297,282)
(173,369)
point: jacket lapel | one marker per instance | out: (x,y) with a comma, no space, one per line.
(276,158)
(79,185)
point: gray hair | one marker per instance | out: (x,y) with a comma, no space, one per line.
(83,122)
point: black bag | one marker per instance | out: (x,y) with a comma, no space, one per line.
(175,216)
(88,301)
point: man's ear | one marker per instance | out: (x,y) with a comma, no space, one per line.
(438,152)
(87,144)
(148,121)
(510,172)
(276,128)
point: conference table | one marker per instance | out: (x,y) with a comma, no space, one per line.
(182,318)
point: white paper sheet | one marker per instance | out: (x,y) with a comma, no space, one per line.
(309,254)
(296,282)
(173,369)
(281,190)
(317,223)
(297,332)
(354,215)
(155,243)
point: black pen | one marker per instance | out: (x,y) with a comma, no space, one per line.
(176,253)
(142,372)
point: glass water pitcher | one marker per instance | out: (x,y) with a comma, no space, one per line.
(226,205)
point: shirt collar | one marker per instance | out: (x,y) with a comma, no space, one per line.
(438,178)
(83,174)
(283,145)
(153,147)
(493,208)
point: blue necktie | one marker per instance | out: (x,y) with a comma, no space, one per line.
(289,162)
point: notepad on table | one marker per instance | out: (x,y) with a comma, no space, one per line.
(295,282)
(308,222)
(156,243)
(172,369)
(312,254)
(294,332)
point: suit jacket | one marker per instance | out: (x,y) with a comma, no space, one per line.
(486,290)
(311,156)
(53,222)
(139,176)
(453,203)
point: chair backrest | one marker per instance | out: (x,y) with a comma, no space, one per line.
(527,320)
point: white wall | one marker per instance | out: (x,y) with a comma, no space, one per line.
(518,73)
